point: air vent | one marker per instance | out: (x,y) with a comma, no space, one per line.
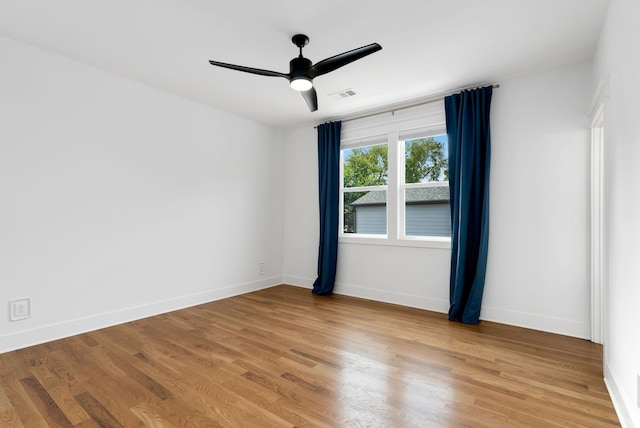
(346,93)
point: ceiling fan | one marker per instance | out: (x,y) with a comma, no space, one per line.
(302,71)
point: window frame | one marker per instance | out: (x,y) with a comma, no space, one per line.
(424,120)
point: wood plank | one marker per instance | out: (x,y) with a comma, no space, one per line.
(98,413)
(48,408)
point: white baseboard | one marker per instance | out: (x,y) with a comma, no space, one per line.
(565,327)
(408,300)
(384,296)
(619,403)
(35,336)
(298,281)
(518,319)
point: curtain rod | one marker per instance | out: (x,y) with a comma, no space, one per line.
(429,101)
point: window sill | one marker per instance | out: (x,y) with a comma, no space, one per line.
(434,242)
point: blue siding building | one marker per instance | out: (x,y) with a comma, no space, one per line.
(427,212)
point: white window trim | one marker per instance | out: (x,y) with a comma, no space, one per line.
(426,120)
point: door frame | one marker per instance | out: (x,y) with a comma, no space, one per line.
(598,232)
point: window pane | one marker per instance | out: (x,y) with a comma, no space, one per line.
(427,211)
(365,212)
(365,166)
(425,159)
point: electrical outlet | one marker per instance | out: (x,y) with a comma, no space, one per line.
(261,268)
(20,309)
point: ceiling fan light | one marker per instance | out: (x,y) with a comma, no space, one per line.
(301,84)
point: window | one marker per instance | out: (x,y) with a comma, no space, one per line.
(394,183)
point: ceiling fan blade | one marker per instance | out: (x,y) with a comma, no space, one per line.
(311,98)
(337,61)
(249,69)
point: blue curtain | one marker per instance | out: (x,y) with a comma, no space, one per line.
(329,191)
(467,116)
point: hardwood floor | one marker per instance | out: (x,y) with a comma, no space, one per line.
(282,357)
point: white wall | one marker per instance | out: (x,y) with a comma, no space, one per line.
(301,216)
(538,272)
(119,201)
(538,275)
(618,61)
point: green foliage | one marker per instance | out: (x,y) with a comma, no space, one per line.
(425,161)
(366,166)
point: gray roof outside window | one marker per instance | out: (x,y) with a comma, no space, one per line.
(421,195)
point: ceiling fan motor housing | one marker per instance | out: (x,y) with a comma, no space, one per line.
(300,67)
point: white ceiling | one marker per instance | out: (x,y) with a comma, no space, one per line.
(429,46)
